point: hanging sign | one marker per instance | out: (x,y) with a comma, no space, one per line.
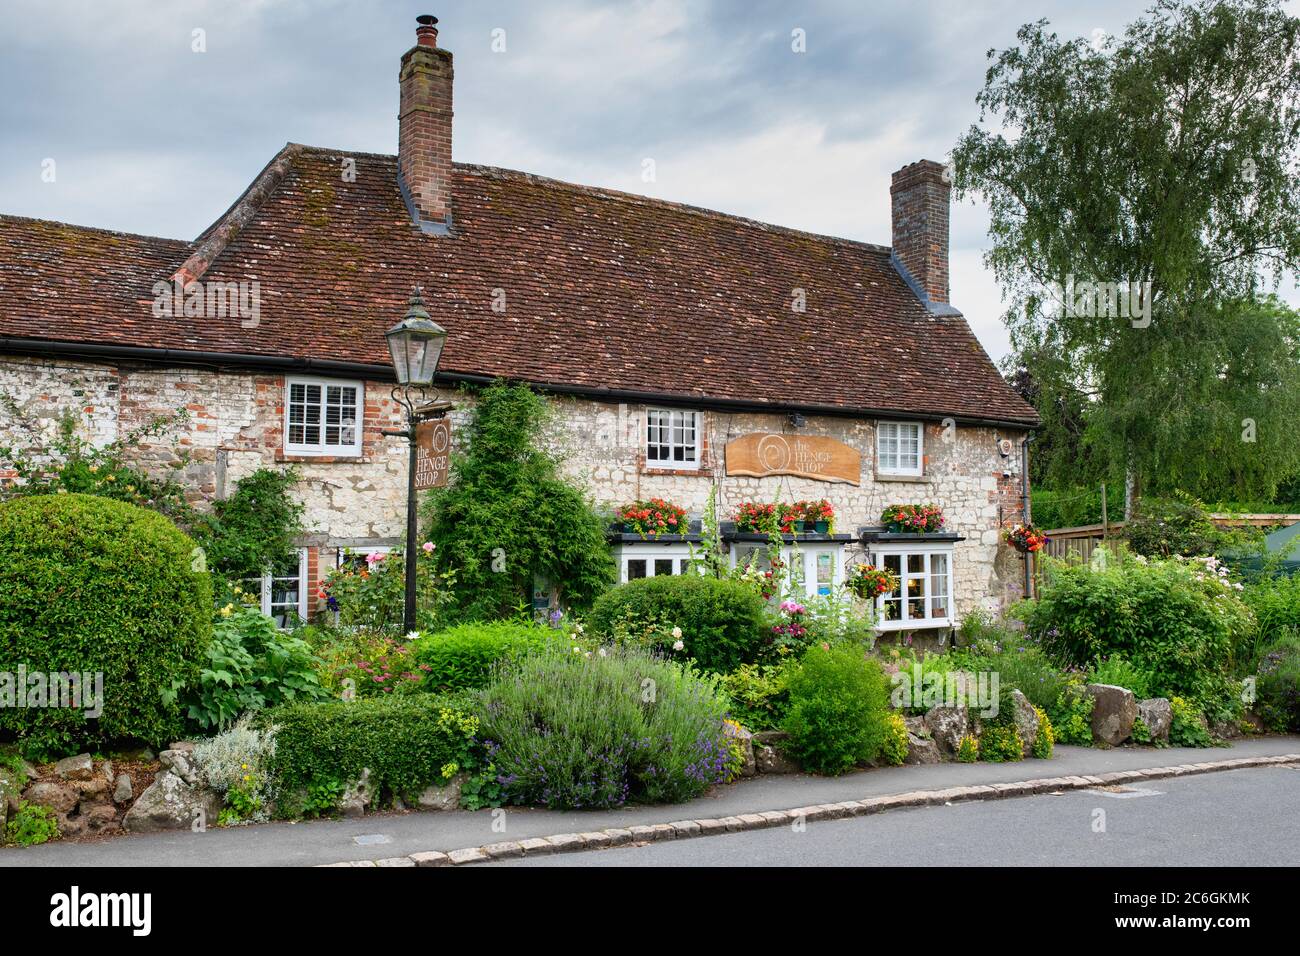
(432,453)
(804,456)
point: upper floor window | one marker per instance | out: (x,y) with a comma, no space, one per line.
(672,438)
(898,448)
(322,416)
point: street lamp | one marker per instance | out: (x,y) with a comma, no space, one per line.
(415,344)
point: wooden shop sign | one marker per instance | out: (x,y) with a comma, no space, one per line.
(804,456)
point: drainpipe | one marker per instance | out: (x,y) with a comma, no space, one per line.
(1026,509)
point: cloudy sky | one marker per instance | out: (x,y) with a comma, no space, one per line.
(150,136)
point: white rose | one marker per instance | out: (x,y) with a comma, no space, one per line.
(677,633)
(679,646)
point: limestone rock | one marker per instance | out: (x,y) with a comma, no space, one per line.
(80,767)
(107,769)
(170,803)
(1113,713)
(123,789)
(947,725)
(1026,722)
(446,797)
(59,797)
(921,750)
(183,764)
(1157,714)
(748,768)
(357,795)
(768,756)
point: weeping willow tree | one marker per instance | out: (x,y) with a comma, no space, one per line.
(1144,193)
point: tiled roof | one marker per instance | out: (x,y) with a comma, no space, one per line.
(597,290)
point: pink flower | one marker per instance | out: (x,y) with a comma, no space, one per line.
(374,558)
(428,547)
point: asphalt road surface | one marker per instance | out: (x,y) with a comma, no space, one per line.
(1233,818)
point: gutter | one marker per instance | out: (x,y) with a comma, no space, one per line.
(384,373)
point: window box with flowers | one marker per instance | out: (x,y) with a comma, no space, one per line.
(653,517)
(808,517)
(912,519)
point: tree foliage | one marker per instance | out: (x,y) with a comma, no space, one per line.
(1164,161)
(507,517)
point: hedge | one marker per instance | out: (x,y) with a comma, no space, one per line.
(465,656)
(88,585)
(408,743)
(721,620)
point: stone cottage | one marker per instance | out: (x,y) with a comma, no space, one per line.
(689,352)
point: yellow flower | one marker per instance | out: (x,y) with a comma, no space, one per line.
(228,610)
(243,766)
(110,477)
(247,778)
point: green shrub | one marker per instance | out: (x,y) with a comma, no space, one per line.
(236,764)
(1001,743)
(1045,741)
(894,749)
(407,742)
(92,585)
(839,702)
(509,517)
(572,732)
(1177,621)
(371,595)
(758,694)
(721,621)
(1072,715)
(1020,665)
(31,825)
(1187,728)
(464,656)
(1277,686)
(1119,672)
(1276,603)
(1141,732)
(1164,527)
(250,664)
(968,750)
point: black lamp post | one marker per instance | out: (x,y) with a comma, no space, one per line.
(415,344)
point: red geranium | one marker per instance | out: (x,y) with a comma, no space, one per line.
(652,517)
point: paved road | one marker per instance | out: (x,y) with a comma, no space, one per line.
(1233,818)
(329,841)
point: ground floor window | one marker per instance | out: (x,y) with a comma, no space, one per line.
(636,561)
(815,569)
(283,592)
(924,594)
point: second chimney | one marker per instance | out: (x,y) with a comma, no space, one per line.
(424,130)
(920,193)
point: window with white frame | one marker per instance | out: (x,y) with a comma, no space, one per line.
(672,438)
(898,448)
(282,594)
(816,569)
(355,558)
(924,594)
(636,561)
(322,416)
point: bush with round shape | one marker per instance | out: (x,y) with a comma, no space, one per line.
(465,656)
(839,710)
(568,731)
(894,748)
(92,585)
(721,620)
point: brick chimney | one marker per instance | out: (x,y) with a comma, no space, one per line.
(920,194)
(424,130)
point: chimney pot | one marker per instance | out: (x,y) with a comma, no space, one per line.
(426,34)
(424,130)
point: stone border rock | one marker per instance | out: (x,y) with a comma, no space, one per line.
(685,829)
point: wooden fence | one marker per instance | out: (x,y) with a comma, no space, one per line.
(1078,543)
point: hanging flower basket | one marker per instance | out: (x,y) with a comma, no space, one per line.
(656,516)
(1026,539)
(912,519)
(869,582)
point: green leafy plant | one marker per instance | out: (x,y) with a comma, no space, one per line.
(968,750)
(32,824)
(758,694)
(1001,742)
(236,764)
(721,622)
(1188,729)
(370,594)
(1072,715)
(253,530)
(894,747)
(1116,670)
(508,518)
(839,703)
(1278,682)
(465,656)
(1141,732)
(568,731)
(92,586)
(250,664)
(404,741)
(1164,527)
(1045,741)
